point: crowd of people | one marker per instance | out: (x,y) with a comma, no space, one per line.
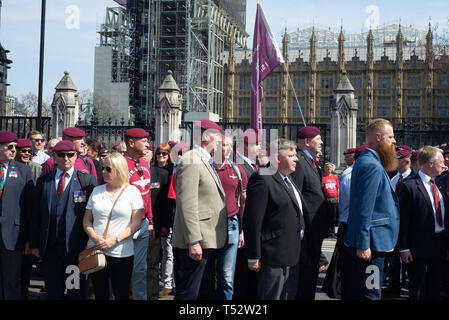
(223,219)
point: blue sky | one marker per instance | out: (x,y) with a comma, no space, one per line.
(69,47)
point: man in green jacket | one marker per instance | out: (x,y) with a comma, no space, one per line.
(23,155)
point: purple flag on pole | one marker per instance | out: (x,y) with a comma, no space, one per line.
(266,57)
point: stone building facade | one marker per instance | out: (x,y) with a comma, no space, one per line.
(399,78)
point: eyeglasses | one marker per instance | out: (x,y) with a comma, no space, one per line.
(162,154)
(63,154)
(108,169)
(11,146)
(39,140)
(25,151)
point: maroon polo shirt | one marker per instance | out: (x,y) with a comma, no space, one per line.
(230,182)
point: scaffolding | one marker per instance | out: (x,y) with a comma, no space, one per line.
(114,33)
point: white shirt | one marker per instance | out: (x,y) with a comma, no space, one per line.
(426,181)
(39,157)
(68,177)
(395,179)
(100,202)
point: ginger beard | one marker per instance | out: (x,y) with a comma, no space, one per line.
(387,155)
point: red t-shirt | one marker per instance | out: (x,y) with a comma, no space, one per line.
(230,182)
(79,165)
(141,180)
(330,186)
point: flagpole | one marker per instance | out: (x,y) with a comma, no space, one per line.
(294,92)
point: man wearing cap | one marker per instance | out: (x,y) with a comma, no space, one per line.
(248,149)
(140,176)
(51,144)
(443,179)
(349,156)
(17,205)
(23,155)
(373,221)
(37,146)
(82,163)
(57,235)
(309,180)
(200,226)
(415,163)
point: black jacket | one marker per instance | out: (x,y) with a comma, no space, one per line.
(159,201)
(417,221)
(272,221)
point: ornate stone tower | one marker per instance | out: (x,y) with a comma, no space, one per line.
(343,120)
(230,107)
(312,77)
(168,111)
(430,59)
(370,74)
(399,74)
(65,106)
(341,51)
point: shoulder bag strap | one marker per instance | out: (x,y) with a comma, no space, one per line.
(110,213)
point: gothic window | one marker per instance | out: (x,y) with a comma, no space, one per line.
(356,81)
(384,82)
(443,81)
(245,83)
(299,83)
(244,107)
(324,110)
(414,82)
(271,107)
(271,83)
(413,106)
(383,107)
(295,111)
(443,107)
(326,82)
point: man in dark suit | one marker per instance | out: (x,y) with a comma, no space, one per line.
(247,151)
(273,224)
(423,236)
(17,202)
(161,210)
(58,235)
(309,180)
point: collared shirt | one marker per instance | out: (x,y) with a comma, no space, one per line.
(306,152)
(426,181)
(395,179)
(205,153)
(39,157)
(6,164)
(230,182)
(68,177)
(343,195)
(245,159)
(375,153)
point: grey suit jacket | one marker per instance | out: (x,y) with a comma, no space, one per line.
(200,204)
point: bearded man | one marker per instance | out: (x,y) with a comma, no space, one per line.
(373,221)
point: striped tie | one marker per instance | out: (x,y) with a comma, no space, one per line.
(2,184)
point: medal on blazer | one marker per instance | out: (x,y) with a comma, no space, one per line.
(155,185)
(79,196)
(13,174)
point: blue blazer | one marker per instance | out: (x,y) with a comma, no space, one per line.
(18,205)
(76,238)
(373,220)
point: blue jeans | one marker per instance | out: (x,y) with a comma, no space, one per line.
(364,278)
(139,275)
(226,259)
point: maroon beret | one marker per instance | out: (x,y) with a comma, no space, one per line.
(64,145)
(136,133)
(359,150)
(250,136)
(104,150)
(207,125)
(172,143)
(414,155)
(446,151)
(74,132)
(23,143)
(308,132)
(403,147)
(7,137)
(349,151)
(114,147)
(403,153)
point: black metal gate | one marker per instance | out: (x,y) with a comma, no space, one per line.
(21,126)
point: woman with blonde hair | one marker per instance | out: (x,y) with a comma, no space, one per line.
(117,206)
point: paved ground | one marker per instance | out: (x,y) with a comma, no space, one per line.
(37,284)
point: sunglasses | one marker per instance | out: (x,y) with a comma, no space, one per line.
(39,140)
(11,146)
(63,154)
(108,169)
(25,151)
(162,154)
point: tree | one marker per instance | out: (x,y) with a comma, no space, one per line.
(27,106)
(105,109)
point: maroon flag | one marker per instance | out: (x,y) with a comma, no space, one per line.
(266,57)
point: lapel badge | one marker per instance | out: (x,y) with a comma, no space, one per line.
(13,174)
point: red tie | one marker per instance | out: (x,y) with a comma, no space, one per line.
(255,166)
(399,182)
(61,185)
(436,195)
(314,164)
